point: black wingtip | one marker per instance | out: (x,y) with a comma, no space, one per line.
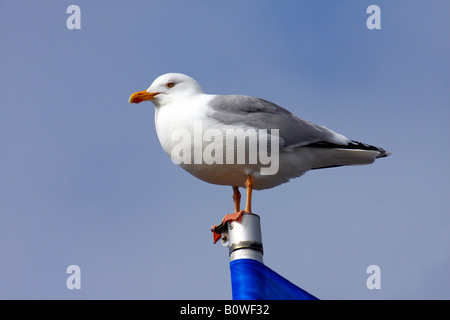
(353,144)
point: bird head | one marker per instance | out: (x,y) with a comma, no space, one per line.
(167,88)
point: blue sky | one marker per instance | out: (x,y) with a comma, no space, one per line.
(84,181)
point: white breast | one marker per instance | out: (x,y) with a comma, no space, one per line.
(174,118)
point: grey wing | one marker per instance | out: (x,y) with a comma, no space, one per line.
(263,114)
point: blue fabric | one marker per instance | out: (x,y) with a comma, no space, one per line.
(252,280)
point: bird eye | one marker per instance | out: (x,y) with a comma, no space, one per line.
(170,84)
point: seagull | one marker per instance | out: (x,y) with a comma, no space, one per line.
(194,128)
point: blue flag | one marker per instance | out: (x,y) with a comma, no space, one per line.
(252,280)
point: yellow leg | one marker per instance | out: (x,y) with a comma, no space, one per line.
(236,199)
(249,185)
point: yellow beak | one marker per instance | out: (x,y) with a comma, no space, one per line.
(142,96)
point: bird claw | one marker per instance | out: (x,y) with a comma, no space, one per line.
(217,230)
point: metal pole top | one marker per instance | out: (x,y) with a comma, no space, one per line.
(243,238)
